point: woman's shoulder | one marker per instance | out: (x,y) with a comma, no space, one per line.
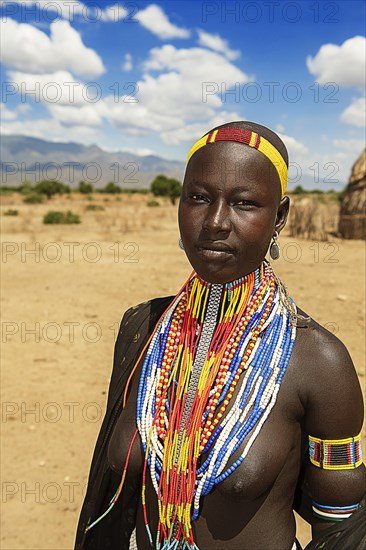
(326,374)
(153,308)
(319,343)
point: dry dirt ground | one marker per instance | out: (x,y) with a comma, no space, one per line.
(64,289)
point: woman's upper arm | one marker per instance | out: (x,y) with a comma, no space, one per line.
(334,412)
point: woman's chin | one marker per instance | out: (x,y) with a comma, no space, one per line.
(215,275)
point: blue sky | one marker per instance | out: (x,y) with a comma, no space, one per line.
(153,77)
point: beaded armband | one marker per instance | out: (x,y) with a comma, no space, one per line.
(336,454)
(333,513)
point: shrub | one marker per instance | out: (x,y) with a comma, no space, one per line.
(166,187)
(299,190)
(6,191)
(33,198)
(134,191)
(94,207)
(70,217)
(51,187)
(153,202)
(85,188)
(11,212)
(111,187)
(26,188)
(56,217)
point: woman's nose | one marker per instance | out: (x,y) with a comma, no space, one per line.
(217,218)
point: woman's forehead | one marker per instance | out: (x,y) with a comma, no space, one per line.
(231,162)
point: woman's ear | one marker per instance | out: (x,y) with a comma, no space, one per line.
(282,213)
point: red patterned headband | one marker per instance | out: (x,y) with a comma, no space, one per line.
(252,139)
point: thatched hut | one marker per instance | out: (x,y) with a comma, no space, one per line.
(352,221)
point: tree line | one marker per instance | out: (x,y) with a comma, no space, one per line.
(162,186)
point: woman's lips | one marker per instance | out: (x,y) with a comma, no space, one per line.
(215,251)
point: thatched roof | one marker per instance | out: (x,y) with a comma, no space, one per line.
(352,222)
(358,172)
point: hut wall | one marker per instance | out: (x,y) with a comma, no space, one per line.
(352,220)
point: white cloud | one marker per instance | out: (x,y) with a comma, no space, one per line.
(85,115)
(155,20)
(293,145)
(114,13)
(49,129)
(7,114)
(192,132)
(59,87)
(139,151)
(198,65)
(351,145)
(66,9)
(343,64)
(24,108)
(127,62)
(26,48)
(355,113)
(68,100)
(169,102)
(215,42)
(313,166)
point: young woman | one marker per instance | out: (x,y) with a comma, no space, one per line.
(228,406)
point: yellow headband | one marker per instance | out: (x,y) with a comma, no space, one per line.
(252,139)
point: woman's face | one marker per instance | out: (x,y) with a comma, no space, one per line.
(229,209)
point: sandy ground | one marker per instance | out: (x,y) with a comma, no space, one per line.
(64,289)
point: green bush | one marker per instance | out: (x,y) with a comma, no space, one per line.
(153,202)
(26,188)
(111,187)
(134,191)
(51,187)
(85,188)
(94,207)
(166,187)
(11,212)
(56,217)
(299,190)
(6,191)
(33,198)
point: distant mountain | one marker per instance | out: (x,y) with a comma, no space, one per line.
(36,159)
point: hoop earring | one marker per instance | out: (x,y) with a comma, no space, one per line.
(180,243)
(274,249)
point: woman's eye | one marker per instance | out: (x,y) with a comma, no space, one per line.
(245,204)
(197,197)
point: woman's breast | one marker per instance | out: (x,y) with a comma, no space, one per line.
(276,446)
(121,447)
(271,452)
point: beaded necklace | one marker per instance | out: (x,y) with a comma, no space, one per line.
(213,340)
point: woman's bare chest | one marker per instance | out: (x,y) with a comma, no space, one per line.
(277,438)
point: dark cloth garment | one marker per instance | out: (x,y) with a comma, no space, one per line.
(114,531)
(349,534)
